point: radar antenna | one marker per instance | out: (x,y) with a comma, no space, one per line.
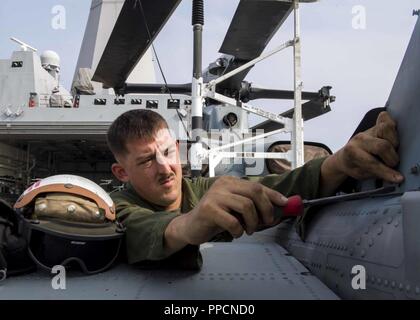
(24,46)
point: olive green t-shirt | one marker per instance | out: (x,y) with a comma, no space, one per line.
(146,223)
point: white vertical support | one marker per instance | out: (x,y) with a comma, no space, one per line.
(197,89)
(196,149)
(212,166)
(297,133)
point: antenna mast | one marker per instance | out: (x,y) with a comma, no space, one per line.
(196,152)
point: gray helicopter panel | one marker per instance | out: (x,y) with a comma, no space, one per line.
(252,268)
(377,234)
(367,233)
(403,104)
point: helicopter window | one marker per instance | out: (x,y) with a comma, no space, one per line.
(100,102)
(17,64)
(173,103)
(152,104)
(136,101)
(119,101)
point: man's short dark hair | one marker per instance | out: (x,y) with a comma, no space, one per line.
(133,124)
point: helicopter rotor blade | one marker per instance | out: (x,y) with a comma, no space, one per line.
(252,27)
(254,24)
(254,93)
(154,88)
(129,39)
(311,109)
(280,94)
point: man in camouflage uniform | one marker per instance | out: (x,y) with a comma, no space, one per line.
(167,216)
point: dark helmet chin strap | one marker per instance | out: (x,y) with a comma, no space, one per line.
(3,266)
(3,263)
(3,274)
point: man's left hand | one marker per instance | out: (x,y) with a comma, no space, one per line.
(369,154)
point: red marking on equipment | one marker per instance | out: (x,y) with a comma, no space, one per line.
(294,206)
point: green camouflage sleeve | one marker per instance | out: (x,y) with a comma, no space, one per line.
(303,181)
(145,237)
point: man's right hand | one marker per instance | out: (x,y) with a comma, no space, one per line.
(233,205)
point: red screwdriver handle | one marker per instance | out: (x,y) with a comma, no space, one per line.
(294,207)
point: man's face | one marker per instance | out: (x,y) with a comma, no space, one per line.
(153,168)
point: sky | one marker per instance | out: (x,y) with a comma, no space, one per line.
(353,45)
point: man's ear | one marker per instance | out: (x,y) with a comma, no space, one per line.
(119,172)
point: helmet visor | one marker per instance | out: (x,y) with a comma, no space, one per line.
(91,255)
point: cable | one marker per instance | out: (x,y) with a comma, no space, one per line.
(159,65)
